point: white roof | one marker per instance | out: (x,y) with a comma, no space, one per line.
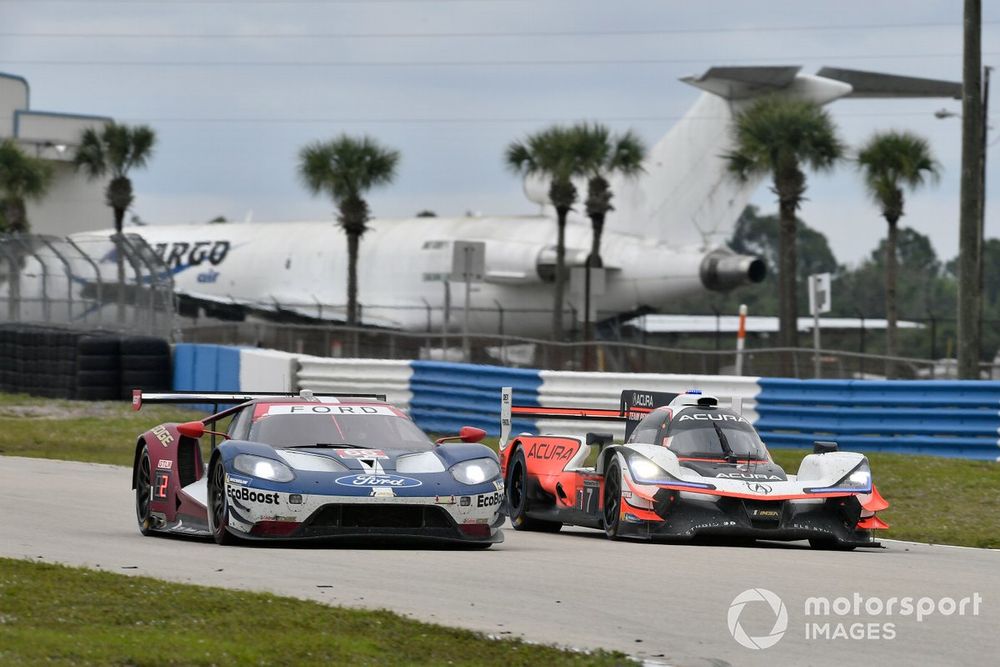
(755,324)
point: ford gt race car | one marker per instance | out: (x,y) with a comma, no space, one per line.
(301,466)
(688,467)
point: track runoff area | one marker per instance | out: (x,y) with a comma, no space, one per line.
(666,603)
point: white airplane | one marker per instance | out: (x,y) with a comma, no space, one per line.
(665,239)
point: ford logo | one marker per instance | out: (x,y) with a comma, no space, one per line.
(368,481)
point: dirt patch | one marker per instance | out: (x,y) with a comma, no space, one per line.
(62,410)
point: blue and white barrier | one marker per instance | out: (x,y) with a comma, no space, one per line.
(958,419)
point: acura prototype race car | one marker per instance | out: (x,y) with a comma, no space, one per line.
(689,467)
(299,467)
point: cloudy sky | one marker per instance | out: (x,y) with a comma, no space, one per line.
(235,88)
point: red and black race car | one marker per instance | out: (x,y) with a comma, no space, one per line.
(688,467)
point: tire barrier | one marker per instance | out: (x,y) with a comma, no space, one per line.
(92,366)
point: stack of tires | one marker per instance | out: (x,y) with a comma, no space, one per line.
(93,366)
(110,366)
(98,368)
(145,364)
(38,360)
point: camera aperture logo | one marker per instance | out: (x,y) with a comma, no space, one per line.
(776,608)
(858,617)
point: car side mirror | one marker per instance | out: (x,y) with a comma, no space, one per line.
(196,430)
(471,434)
(600,439)
(465,434)
(193,429)
(824,447)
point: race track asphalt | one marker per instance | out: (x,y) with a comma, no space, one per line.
(666,603)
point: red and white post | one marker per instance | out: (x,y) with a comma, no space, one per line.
(741,334)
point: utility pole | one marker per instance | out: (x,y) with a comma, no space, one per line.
(969,301)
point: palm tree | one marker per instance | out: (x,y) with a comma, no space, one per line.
(22,177)
(115,149)
(345,169)
(605,155)
(777,135)
(555,153)
(889,161)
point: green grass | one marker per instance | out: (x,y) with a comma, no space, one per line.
(96,432)
(60,615)
(945,501)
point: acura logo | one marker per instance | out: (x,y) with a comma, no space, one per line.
(757,487)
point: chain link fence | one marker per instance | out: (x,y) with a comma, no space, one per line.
(115,283)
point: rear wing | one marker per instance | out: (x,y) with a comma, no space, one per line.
(633,406)
(217,398)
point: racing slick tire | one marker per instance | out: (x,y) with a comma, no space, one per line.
(517,498)
(829,544)
(218,507)
(143,493)
(613,500)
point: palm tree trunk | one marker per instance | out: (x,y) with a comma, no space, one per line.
(787,296)
(891,343)
(120,255)
(560,285)
(789,185)
(593,262)
(353,241)
(17,218)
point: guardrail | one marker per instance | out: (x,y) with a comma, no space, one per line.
(940,418)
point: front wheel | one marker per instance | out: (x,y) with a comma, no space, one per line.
(218,506)
(143,493)
(613,500)
(517,498)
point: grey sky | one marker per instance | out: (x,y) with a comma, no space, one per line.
(451,120)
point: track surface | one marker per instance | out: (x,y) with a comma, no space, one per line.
(667,603)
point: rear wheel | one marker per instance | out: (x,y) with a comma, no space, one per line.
(143,493)
(613,500)
(517,498)
(218,506)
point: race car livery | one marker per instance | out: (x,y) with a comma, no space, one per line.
(688,467)
(310,466)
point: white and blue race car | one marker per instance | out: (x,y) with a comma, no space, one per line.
(305,467)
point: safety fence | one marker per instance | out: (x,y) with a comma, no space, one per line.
(941,418)
(87,282)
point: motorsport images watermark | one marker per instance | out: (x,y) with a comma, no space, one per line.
(823,615)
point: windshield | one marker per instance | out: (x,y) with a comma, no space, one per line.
(713,434)
(378,431)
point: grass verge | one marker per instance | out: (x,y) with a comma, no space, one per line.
(60,615)
(944,501)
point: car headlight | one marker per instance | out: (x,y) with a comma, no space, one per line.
(645,471)
(858,479)
(475,471)
(258,466)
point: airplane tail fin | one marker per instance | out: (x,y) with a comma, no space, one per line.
(685,194)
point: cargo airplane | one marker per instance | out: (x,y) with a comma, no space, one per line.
(665,238)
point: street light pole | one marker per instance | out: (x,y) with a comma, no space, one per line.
(971,195)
